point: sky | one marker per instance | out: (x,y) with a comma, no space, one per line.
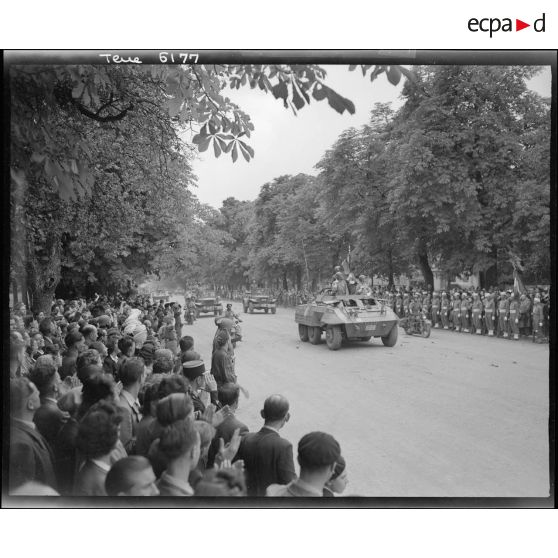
(289,144)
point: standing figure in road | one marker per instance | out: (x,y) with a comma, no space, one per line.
(445,307)
(476,314)
(406,303)
(538,321)
(456,312)
(503,315)
(525,310)
(489,314)
(435,312)
(399,304)
(514,317)
(465,312)
(426,304)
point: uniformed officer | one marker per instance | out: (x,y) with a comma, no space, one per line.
(538,320)
(456,312)
(426,304)
(477,308)
(489,314)
(445,306)
(435,312)
(406,302)
(399,304)
(525,315)
(465,310)
(514,317)
(503,315)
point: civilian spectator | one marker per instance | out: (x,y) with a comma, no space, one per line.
(132,375)
(131,476)
(268,458)
(180,443)
(96,439)
(318,453)
(31,457)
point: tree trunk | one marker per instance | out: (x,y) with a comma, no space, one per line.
(43,274)
(424,264)
(14,292)
(390,269)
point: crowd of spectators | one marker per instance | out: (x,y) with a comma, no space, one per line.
(108,398)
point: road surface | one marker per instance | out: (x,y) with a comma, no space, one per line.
(453,415)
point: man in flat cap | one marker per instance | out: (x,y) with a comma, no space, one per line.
(318,453)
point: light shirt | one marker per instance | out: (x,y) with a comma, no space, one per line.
(101,464)
(133,402)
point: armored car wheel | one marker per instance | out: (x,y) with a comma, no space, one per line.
(303,332)
(391,339)
(334,337)
(314,335)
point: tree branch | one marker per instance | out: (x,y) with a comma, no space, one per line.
(95,116)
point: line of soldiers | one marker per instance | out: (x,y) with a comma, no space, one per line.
(496,314)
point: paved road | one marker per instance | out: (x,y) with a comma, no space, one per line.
(452,415)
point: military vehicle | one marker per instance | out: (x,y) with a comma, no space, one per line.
(209,304)
(161,295)
(260,301)
(346,317)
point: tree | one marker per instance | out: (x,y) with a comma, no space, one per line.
(459,143)
(61,113)
(355,187)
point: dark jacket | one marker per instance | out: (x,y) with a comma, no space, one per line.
(268,459)
(30,457)
(49,419)
(225,430)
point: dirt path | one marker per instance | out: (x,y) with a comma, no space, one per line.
(452,415)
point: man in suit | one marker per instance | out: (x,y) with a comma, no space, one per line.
(132,375)
(268,458)
(228,395)
(30,455)
(48,418)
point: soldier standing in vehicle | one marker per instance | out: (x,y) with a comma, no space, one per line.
(341,287)
(489,314)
